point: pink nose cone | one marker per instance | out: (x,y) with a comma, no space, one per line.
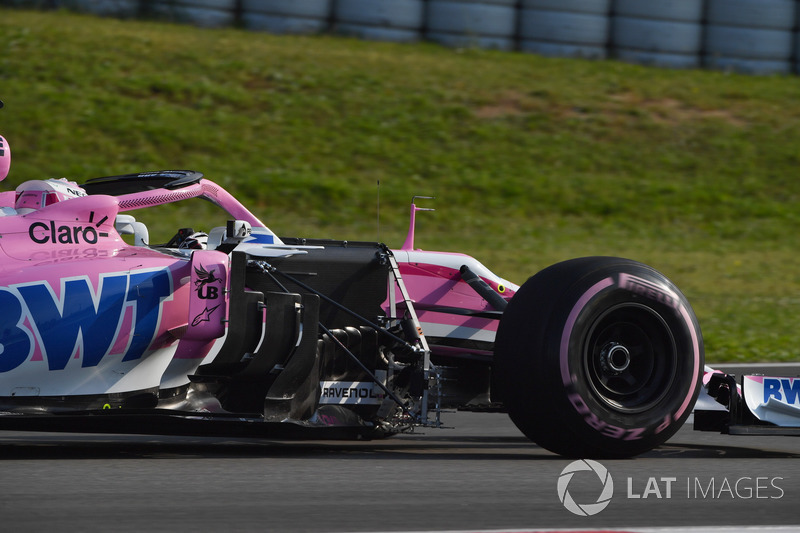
(5,158)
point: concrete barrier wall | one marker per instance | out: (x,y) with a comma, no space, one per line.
(750,36)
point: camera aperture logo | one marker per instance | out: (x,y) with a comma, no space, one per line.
(605,487)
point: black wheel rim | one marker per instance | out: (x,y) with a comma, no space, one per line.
(630,358)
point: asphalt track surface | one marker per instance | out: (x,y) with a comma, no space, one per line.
(479,474)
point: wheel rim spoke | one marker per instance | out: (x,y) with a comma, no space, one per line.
(630,358)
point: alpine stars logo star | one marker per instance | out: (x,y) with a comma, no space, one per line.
(204,316)
(586,509)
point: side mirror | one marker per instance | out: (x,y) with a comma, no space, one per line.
(127,225)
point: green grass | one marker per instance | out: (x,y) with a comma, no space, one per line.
(532,160)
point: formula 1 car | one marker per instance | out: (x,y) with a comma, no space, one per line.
(236,331)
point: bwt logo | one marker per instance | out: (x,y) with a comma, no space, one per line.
(787,390)
(605,486)
(82,317)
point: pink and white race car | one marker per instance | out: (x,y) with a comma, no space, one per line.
(236,331)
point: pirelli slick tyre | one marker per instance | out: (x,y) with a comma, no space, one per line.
(598,357)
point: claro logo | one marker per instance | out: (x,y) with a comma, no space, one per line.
(43,233)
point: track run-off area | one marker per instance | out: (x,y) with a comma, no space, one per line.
(477,474)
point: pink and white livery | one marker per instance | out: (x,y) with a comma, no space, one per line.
(233,330)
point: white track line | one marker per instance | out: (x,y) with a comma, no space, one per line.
(676,529)
(723,366)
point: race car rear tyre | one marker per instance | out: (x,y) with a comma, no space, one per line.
(598,357)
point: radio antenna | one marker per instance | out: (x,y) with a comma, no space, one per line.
(379,211)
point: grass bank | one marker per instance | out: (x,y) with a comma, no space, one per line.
(532,160)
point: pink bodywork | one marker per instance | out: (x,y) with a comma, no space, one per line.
(434,282)
(5,158)
(73,247)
